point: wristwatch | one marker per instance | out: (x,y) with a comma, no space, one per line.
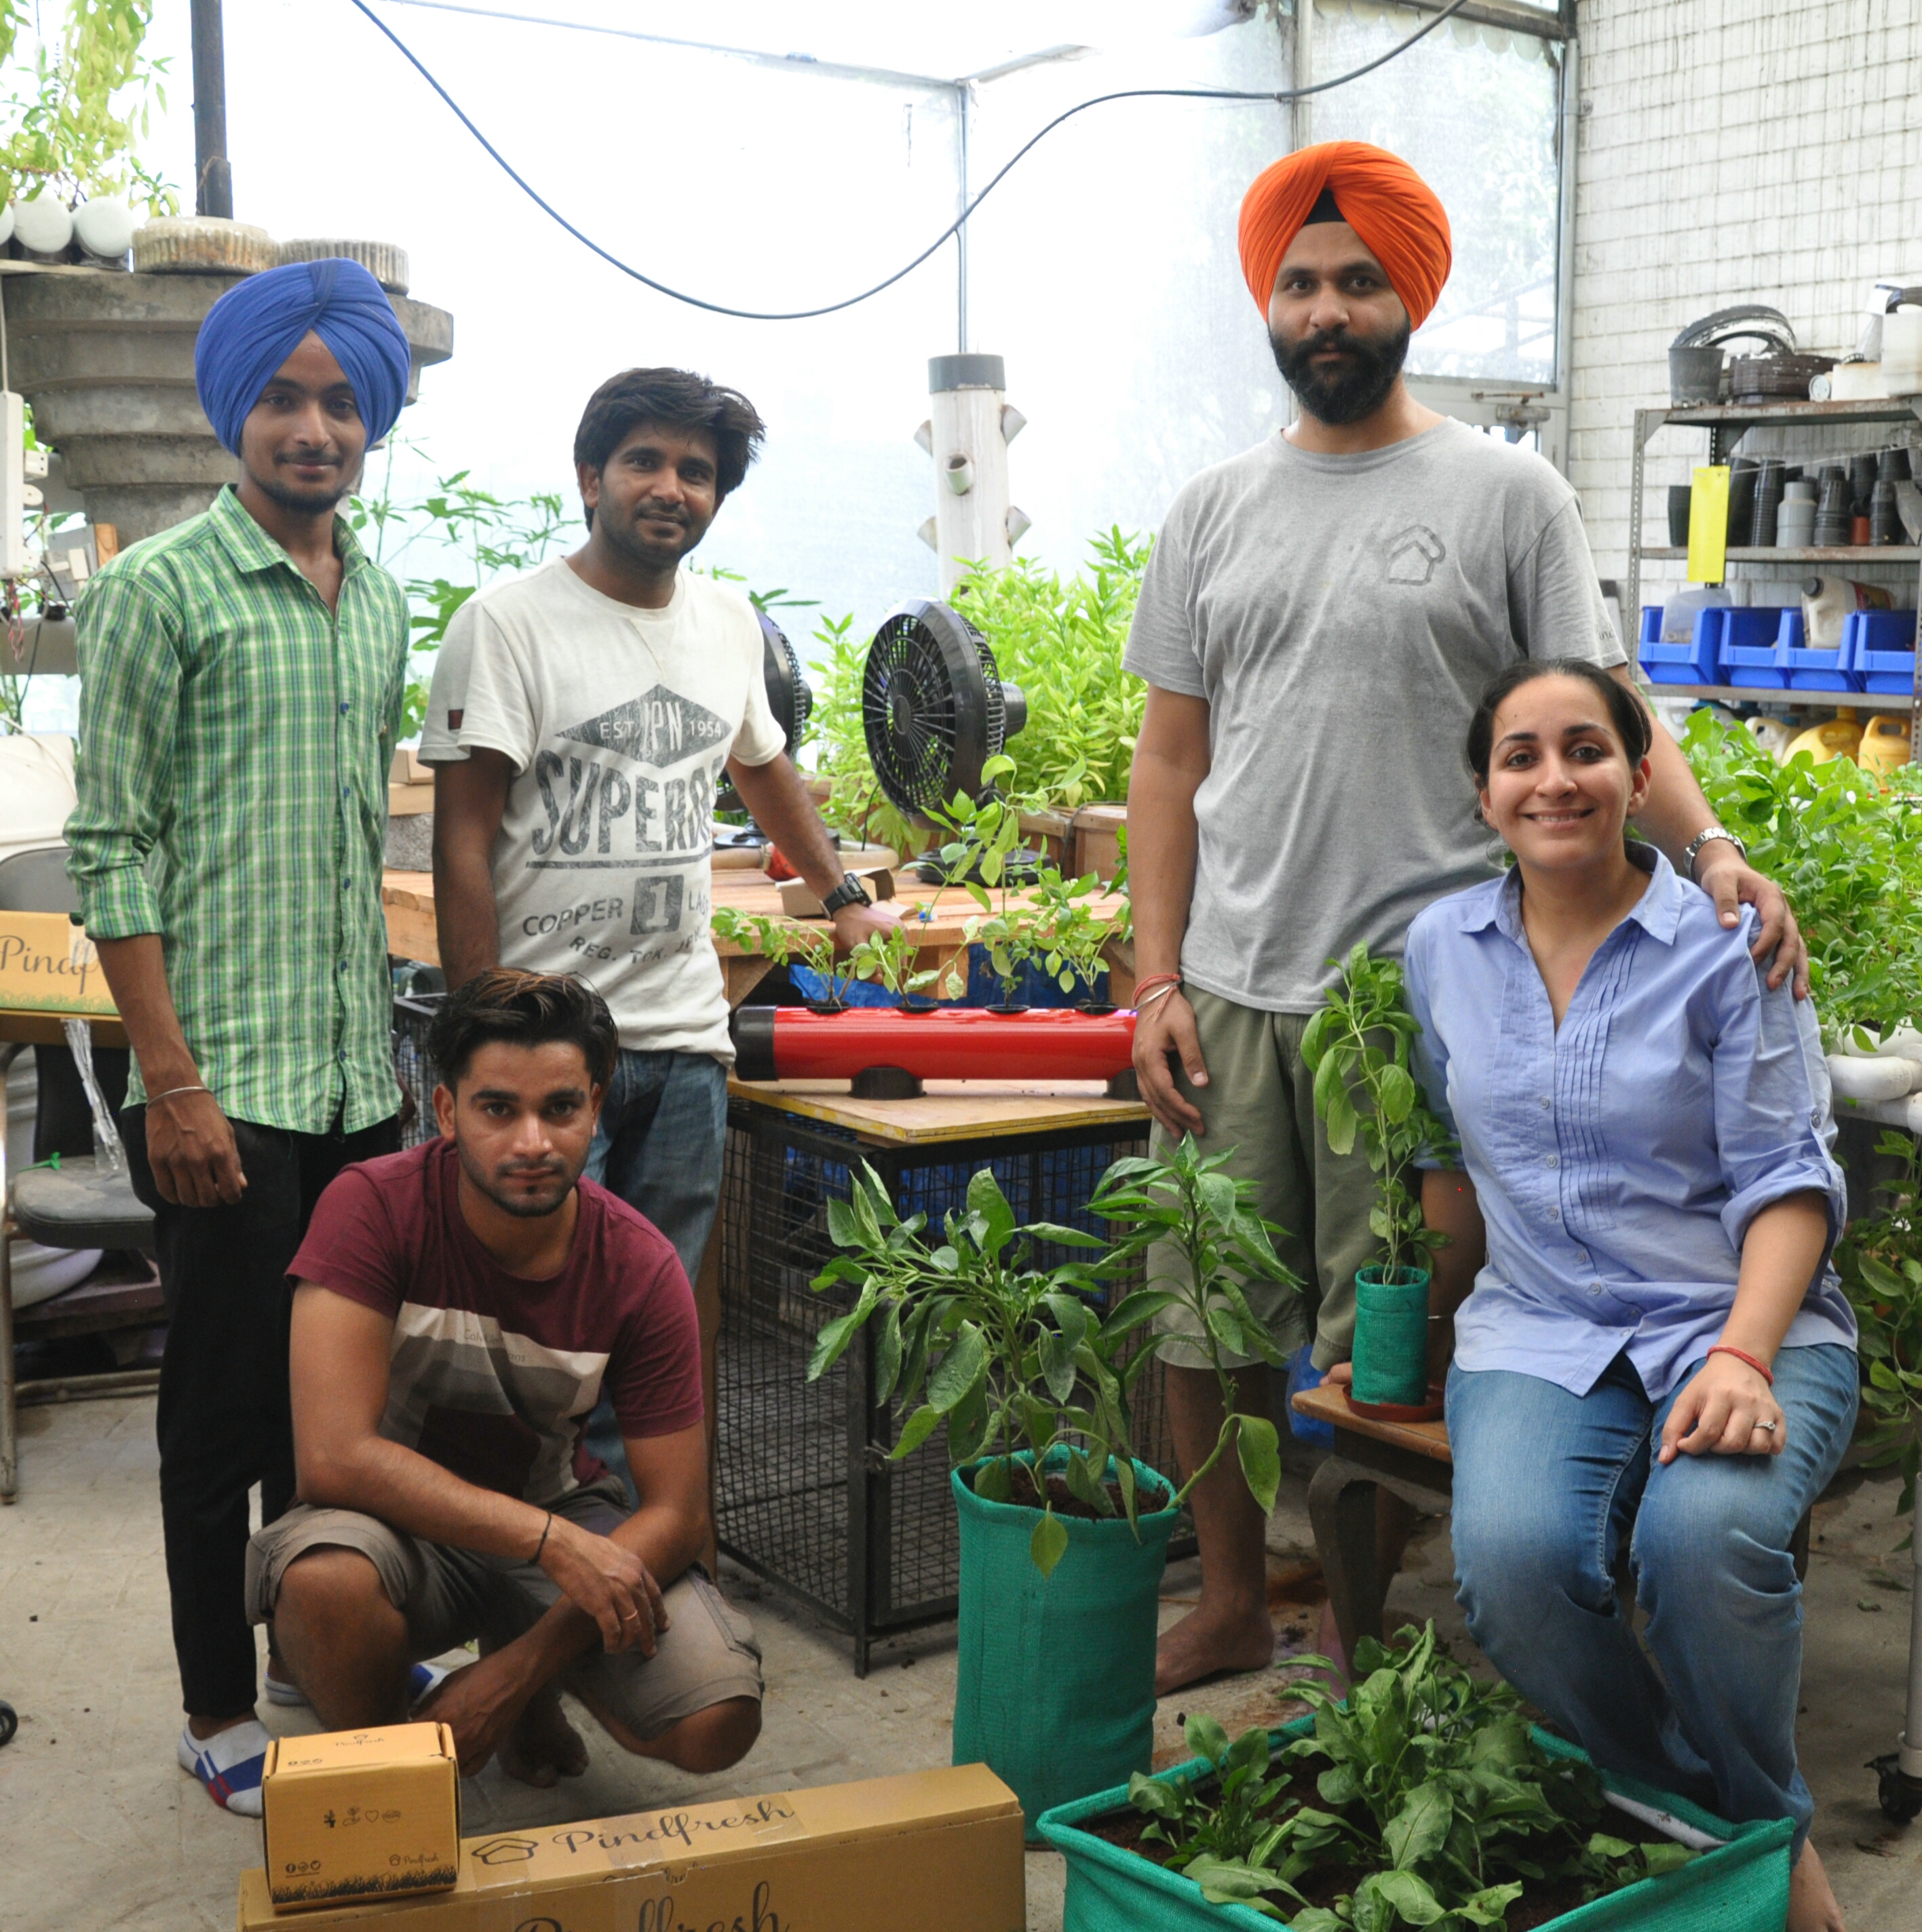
(849,892)
(1693,848)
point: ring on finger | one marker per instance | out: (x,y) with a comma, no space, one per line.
(1769,1425)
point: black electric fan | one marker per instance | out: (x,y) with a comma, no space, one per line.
(790,698)
(934,709)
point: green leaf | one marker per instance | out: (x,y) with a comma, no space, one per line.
(986,1199)
(843,1230)
(1340,1122)
(1395,1094)
(1048,1543)
(1667,1856)
(992,1482)
(1258,1445)
(914,1431)
(1601,1846)
(887,1356)
(1206,1737)
(1416,1832)
(962,1370)
(1409,1895)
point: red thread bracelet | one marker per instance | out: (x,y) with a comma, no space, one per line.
(1155,979)
(1742,1355)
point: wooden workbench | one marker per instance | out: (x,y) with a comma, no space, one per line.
(408,899)
(950,1110)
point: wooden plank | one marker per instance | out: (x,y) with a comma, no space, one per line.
(1328,1404)
(950,1110)
(24,1029)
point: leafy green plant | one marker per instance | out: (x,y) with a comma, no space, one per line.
(888,959)
(1880,1261)
(1357,1047)
(1006,1354)
(1188,1200)
(1430,1787)
(1070,935)
(464,537)
(978,854)
(1847,852)
(780,940)
(1060,641)
(76,116)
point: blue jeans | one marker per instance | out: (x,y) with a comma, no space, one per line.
(1546,1485)
(659,1144)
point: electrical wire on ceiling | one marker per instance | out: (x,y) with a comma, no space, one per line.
(1279,98)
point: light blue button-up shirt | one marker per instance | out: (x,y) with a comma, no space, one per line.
(1619,1160)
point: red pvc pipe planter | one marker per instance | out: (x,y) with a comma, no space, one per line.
(955,1043)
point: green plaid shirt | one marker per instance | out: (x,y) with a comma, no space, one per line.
(235,740)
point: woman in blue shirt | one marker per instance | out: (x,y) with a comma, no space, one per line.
(1655,1349)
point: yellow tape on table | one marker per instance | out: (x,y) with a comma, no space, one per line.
(1708,525)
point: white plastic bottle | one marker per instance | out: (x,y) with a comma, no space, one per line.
(1902,351)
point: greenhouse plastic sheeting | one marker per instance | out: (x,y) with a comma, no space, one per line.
(1741,1886)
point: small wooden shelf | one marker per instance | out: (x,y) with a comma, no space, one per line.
(1813,553)
(1730,416)
(1842,700)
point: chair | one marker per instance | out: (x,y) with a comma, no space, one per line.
(1411,1460)
(75,1205)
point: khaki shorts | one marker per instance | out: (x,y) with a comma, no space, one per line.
(1260,1101)
(707,1654)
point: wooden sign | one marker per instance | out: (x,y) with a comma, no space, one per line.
(48,965)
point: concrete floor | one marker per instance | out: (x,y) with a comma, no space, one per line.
(99,1830)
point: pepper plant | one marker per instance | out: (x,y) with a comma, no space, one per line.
(1358,1046)
(1431,1786)
(1880,1261)
(781,941)
(1186,1200)
(976,1336)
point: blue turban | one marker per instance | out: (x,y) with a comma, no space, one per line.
(260,322)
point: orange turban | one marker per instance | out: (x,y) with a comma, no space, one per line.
(1380,196)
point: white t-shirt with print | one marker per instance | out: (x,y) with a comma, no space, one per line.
(619,723)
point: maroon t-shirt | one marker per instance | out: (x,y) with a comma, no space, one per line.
(491,1376)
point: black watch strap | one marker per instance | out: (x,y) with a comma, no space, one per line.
(849,892)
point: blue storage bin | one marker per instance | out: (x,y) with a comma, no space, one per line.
(1880,646)
(1751,652)
(1815,671)
(1691,663)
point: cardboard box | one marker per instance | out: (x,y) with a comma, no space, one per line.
(360,1814)
(48,965)
(936,1851)
(798,901)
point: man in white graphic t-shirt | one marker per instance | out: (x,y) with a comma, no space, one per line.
(582,718)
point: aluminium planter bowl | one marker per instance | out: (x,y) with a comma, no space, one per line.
(1742,1886)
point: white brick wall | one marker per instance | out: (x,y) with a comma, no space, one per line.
(1729,151)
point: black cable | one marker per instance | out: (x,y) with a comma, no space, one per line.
(588,241)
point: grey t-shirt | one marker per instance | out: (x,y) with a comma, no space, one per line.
(1341,615)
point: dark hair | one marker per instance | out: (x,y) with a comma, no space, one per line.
(676,399)
(525,1010)
(1626,712)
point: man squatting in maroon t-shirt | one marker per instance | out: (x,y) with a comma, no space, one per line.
(458,1310)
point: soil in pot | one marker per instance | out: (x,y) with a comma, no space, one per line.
(1542,1901)
(1022,1493)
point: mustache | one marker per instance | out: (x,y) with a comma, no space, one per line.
(658,513)
(1324,339)
(528,1170)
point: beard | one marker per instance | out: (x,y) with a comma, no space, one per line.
(1351,391)
(626,538)
(495,1186)
(308,502)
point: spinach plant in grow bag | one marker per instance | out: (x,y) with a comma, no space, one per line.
(1358,1046)
(1424,1800)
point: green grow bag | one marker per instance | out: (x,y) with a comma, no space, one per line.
(1055,1689)
(1741,1886)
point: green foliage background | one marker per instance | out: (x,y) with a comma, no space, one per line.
(1060,640)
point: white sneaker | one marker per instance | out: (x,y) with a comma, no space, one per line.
(229,1764)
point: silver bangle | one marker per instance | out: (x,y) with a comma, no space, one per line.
(1693,850)
(172,1091)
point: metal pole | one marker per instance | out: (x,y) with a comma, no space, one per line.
(963,89)
(213,180)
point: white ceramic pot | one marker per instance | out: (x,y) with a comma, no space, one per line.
(1858,1079)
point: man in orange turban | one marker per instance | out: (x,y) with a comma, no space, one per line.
(1319,619)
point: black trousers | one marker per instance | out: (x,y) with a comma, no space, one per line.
(225,1423)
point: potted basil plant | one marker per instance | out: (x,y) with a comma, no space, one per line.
(1357,1047)
(1029,1370)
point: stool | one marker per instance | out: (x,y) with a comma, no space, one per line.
(1409,1460)
(75,1205)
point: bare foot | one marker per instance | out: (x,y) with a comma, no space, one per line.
(543,1745)
(1812,1903)
(1207,1641)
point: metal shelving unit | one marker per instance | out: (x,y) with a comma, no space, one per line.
(1727,423)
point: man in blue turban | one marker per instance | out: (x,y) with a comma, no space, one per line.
(242,677)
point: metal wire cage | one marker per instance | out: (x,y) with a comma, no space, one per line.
(805,1495)
(413,1014)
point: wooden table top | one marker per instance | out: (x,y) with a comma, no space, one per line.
(1327,1404)
(950,1110)
(409,899)
(41,1028)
